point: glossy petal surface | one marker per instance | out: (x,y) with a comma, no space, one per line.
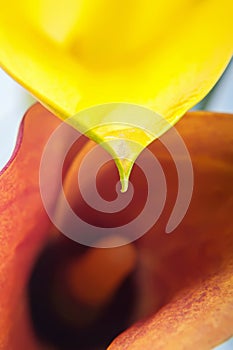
(72,55)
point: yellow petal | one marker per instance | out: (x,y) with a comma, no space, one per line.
(164,55)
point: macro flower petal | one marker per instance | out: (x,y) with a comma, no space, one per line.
(23,227)
(184,278)
(72,55)
(76,54)
(193,266)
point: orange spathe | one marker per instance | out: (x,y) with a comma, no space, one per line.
(186,276)
(191,270)
(23,228)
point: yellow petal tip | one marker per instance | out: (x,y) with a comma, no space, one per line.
(124,184)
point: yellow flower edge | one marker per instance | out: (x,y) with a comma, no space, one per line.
(73,55)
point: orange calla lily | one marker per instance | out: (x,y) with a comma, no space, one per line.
(23,229)
(183,281)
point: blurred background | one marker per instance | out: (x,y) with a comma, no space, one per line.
(14,101)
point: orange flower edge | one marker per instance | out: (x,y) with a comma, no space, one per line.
(192,268)
(23,227)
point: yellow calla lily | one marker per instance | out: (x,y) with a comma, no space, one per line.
(164,55)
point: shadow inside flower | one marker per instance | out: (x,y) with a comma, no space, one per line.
(178,286)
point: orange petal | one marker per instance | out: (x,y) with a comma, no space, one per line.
(23,227)
(190,271)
